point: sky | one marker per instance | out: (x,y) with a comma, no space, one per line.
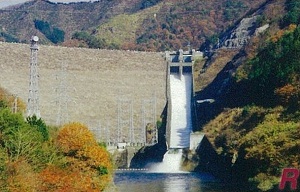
(5,3)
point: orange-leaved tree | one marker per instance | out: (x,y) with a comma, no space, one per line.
(86,158)
(287,93)
(75,137)
(21,177)
(56,179)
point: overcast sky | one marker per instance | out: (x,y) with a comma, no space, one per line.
(5,3)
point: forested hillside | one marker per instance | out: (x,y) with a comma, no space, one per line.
(257,128)
(138,24)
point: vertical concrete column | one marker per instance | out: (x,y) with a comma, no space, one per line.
(169,105)
(180,62)
(193,54)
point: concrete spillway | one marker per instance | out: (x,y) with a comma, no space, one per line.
(181,118)
(179,110)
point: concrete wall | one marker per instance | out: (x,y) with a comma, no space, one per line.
(195,140)
(169,105)
(122,157)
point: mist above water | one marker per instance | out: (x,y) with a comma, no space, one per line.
(171,163)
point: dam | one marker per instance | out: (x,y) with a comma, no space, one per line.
(97,86)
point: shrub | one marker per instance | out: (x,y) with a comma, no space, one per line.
(54,34)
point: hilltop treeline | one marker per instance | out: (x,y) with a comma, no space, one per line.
(36,157)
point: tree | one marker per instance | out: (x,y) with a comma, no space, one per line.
(84,154)
(272,146)
(30,160)
(293,13)
(19,146)
(65,180)
(9,121)
(40,125)
(23,142)
(75,137)
(287,94)
(90,40)
(54,34)
(275,66)
(3,169)
(21,177)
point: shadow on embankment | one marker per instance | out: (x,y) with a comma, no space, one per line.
(155,153)
(223,90)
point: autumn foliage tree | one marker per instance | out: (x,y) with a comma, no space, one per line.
(288,94)
(57,179)
(75,137)
(84,156)
(21,176)
(35,157)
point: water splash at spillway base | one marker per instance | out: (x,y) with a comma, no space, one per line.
(171,163)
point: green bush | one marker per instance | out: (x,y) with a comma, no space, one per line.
(293,13)
(40,125)
(273,145)
(92,41)
(55,35)
(148,3)
(8,37)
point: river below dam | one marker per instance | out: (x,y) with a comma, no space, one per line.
(139,181)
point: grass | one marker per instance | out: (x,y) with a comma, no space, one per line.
(119,29)
(122,28)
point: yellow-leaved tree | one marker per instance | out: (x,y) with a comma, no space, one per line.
(74,137)
(87,161)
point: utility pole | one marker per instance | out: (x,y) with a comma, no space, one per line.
(33,98)
(15,104)
(96,130)
(131,126)
(99,133)
(149,121)
(125,120)
(62,95)
(107,132)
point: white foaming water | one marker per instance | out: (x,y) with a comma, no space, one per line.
(171,163)
(181,118)
(181,124)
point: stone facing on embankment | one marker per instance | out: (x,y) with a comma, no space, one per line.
(96,79)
